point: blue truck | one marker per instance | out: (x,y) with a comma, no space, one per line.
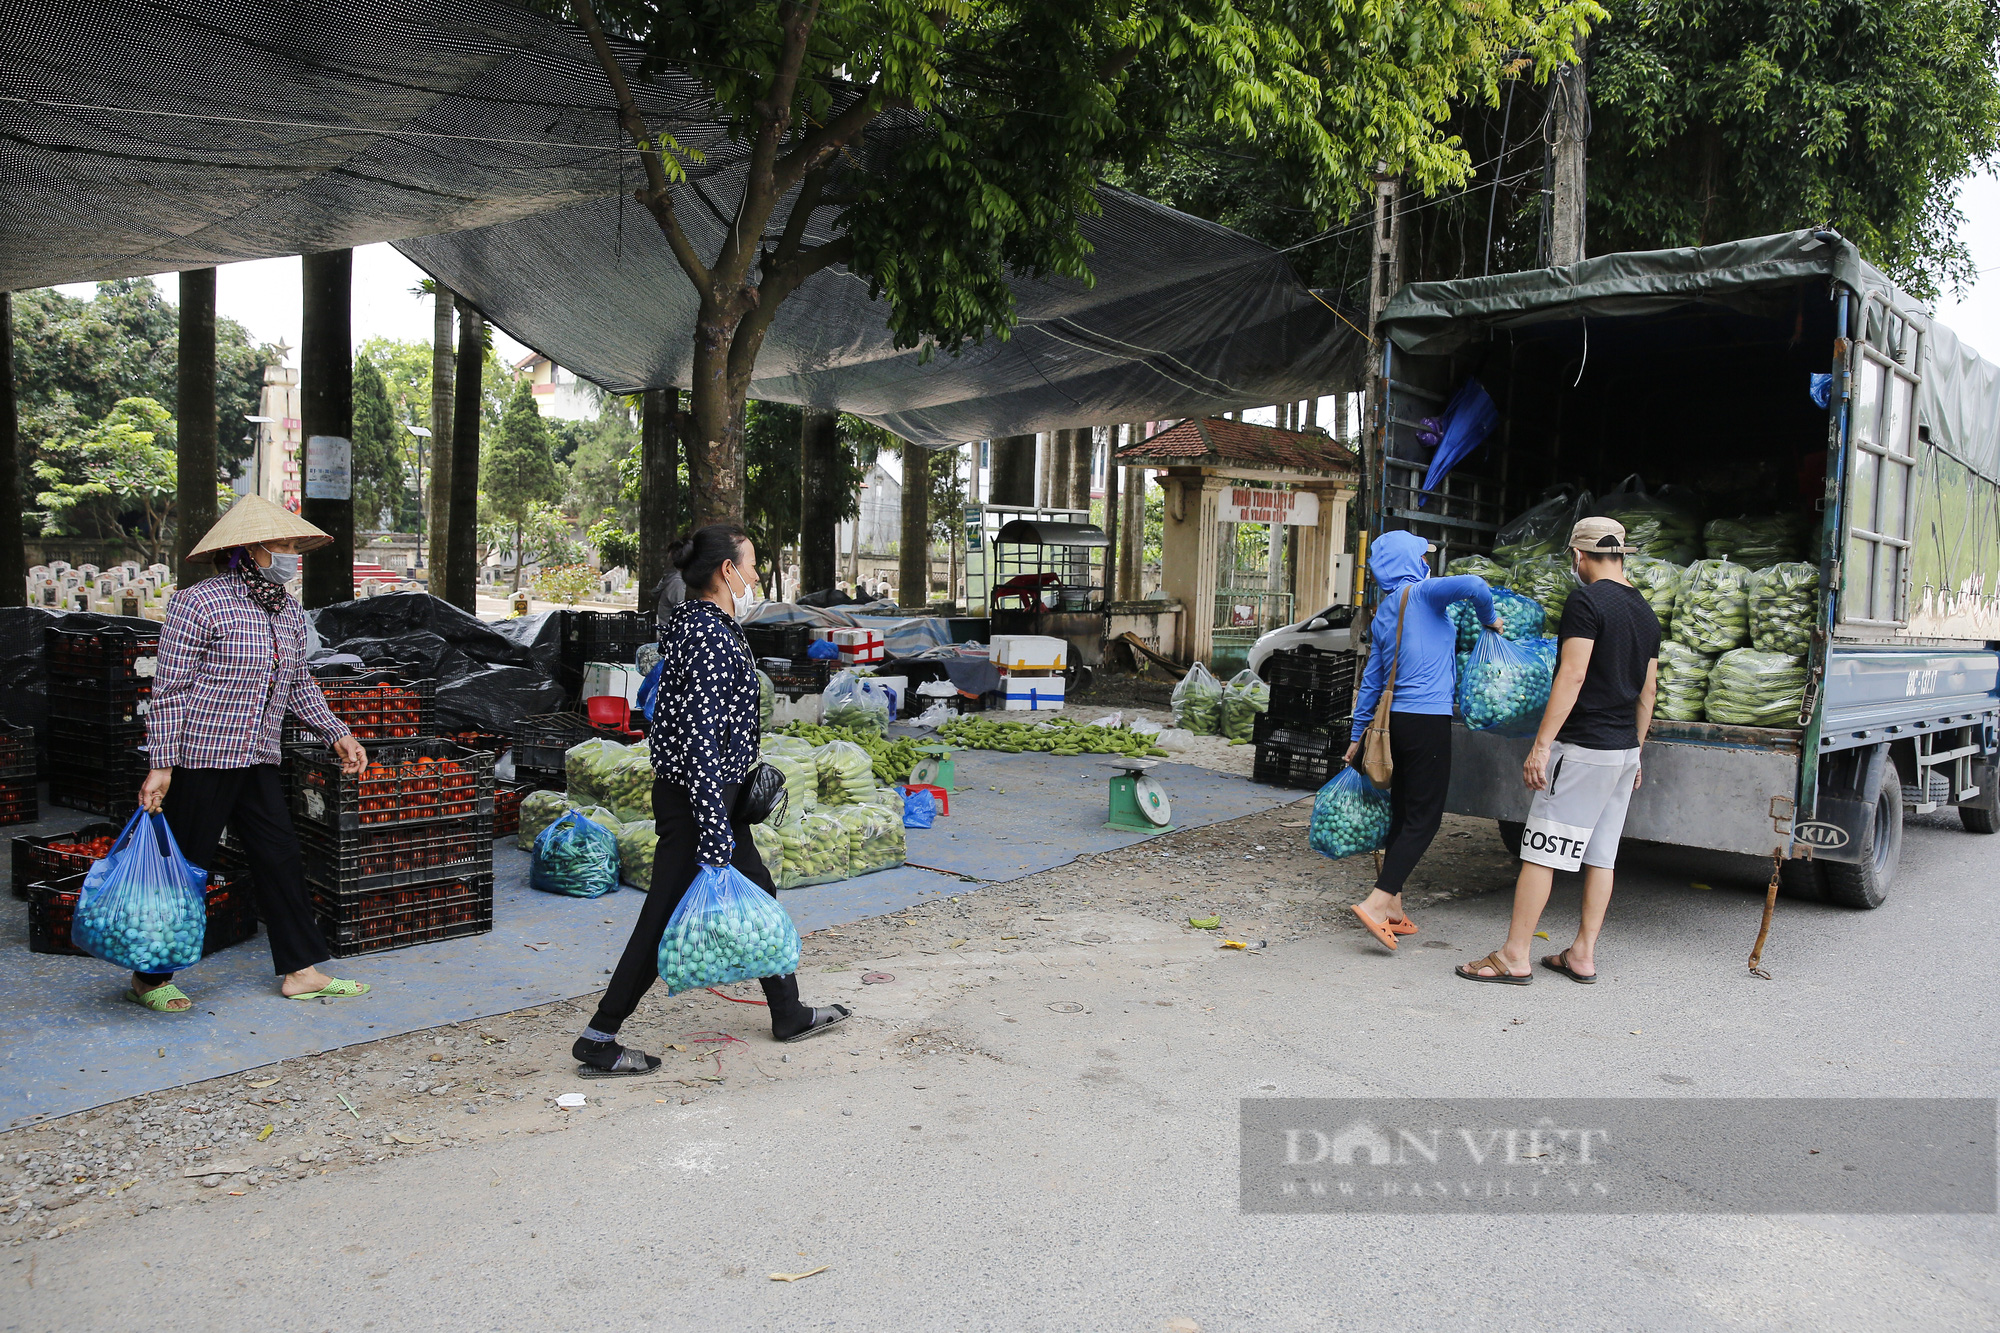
(1777,373)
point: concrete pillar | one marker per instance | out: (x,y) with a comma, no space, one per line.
(1315,589)
(1189,552)
(1132,549)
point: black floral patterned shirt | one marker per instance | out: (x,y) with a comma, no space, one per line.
(704,733)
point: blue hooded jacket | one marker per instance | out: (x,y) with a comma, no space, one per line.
(1425,675)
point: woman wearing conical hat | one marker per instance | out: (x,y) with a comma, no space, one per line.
(231,665)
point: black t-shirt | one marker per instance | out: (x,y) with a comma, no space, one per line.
(1627,635)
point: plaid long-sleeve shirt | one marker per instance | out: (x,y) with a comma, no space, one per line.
(228,672)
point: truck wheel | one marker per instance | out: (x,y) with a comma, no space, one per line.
(1982,813)
(1866,883)
(1803,880)
(1510,834)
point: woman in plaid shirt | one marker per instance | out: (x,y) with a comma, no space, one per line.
(231,665)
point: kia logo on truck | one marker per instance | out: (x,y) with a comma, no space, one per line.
(1820,834)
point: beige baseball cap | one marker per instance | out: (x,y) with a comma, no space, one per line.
(1600,536)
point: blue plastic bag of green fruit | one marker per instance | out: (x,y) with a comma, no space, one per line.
(1504,687)
(575,857)
(1350,816)
(143,906)
(726,929)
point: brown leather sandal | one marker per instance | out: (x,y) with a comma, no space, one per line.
(1470,971)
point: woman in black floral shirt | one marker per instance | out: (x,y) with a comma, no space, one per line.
(704,739)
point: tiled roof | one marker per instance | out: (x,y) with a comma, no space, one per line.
(1217,441)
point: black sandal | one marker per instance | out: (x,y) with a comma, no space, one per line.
(629,1064)
(822,1019)
(1559,962)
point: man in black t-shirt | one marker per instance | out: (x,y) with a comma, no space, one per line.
(1584,766)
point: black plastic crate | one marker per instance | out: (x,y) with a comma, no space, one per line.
(419,783)
(113,654)
(232,915)
(388,855)
(599,636)
(17,751)
(541,742)
(1310,669)
(447,909)
(1303,766)
(95,769)
(97,703)
(36,857)
(1313,710)
(376,706)
(75,744)
(507,797)
(19,802)
(803,676)
(788,641)
(1283,732)
(492,742)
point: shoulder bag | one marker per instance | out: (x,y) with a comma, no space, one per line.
(1376,760)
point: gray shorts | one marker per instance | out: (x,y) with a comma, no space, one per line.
(1577,819)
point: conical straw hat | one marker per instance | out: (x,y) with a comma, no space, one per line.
(252,520)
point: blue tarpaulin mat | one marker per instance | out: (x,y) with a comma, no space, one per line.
(1012,815)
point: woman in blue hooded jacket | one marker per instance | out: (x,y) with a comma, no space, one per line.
(1419,717)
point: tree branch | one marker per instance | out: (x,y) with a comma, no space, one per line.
(795,225)
(656,197)
(777,285)
(817,144)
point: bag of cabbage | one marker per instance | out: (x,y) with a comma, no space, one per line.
(726,929)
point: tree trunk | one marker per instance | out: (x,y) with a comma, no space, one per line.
(1055,469)
(819,443)
(659,486)
(1010,479)
(1112,500)
(716,410)
(326,408)
(914,577)
(461,564)
(1567,150)
(518,562)
(1132,558)
(1082,458)
(13,560)
(437,517)
(195,424)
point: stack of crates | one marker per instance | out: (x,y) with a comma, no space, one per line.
(100,686)
(598,636)
(540,743)
(1300,739)
(378,705)
(49,872)
(18,796)
(400,853)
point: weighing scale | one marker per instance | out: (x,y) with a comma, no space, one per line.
(936,768)
(1139,804)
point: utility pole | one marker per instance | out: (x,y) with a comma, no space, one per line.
(194,422)
(659,484)
(1569,140)
(326,420)
(1384,276)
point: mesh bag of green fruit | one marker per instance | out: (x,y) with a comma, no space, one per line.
(1712,614)
(846,773)
(1242,700)
(539,809)
(1520,618)
(1350,816)
(1197,701)
(1660,583)
(815,849)
(1756,541)
(1540,530)
(588,767)
(857,702)
(1683,683)
(1480,566)
(767,700)
(1504,688)
(627,787)
(1659,527)
(575,857)
(1753,689)
(726,929)
(1784,607)
(636,841)
(1549,580)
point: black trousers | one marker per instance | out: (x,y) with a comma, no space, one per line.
(1420,744)
(250,802)
(674,867)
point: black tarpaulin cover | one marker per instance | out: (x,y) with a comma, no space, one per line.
(140,137)
(489,675)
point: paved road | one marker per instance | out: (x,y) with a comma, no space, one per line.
(1069,1171)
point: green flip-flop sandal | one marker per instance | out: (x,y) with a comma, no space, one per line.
(335,989)
(160,999)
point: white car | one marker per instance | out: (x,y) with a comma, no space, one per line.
(1330,631)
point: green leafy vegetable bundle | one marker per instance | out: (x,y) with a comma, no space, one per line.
(1784,607)
(1660,583)
(588,768)
(1197,701)
(1683,684)
(1753,689)
(1242,700)
(576,858)
(1712,614)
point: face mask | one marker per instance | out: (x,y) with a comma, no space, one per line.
(284,568)
(743,602)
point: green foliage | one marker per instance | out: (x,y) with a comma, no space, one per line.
(947,501)
(596,452)
(1714,119)
(773,476)
(517,468)
(568,584)
(119,479)
(378,451)
(615,546)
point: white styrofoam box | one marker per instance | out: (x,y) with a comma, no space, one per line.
(609,678)
(1034,694)
(1039,652)
(860,654)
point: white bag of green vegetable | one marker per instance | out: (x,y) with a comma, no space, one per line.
(767,697)
(791,747)
(846,773)
(1659,527)
(627,787)
(1757,542)
(635,853)
(1197,701)
(815,849)
(1242,700)
(874,838)
(1784,607)
(770,845)
(1712,614)
(801,783)
(1660,583)
(1548,579)
(588,766)
(539,809)
(1683,683)
(855,701)
(1753,689)
(598,814)
(1540,530)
